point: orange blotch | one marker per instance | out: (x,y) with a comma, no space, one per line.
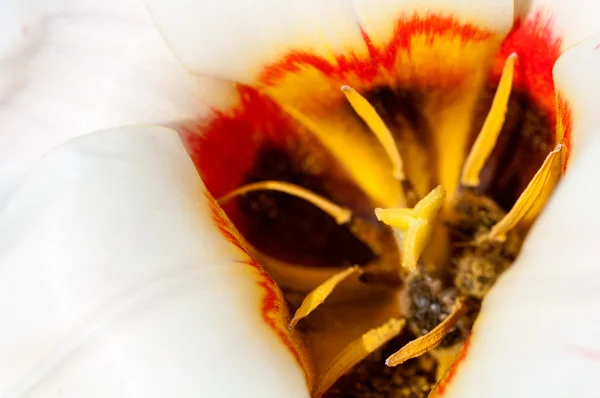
(538,49)
(564,126)
(273,310)
(442,386)
(349,66)
(226,148)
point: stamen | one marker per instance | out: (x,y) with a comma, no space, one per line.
(431,340)
(341,214)
(356,352)
(320,293)
(486,140)
(378,127)
(418,224)
(527,199)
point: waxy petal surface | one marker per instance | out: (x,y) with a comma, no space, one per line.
(574,21)
(243,36)
(117,280)
(69,68)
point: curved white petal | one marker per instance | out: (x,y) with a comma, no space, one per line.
(537,334)
(82,66)
(116,282)
(578,84)
(572,21)
(236,39)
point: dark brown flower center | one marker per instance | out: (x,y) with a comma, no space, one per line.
(292,229)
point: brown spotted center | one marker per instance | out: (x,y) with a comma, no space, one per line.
(292,229)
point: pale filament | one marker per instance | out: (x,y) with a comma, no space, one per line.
(486,140)
(341,214)
(369,115)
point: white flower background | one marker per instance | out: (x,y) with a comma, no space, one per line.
(114,281)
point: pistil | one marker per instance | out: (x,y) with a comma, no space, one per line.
(417,225)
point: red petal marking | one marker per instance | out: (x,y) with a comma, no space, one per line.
(565,125)
(589,353)
(538,49)
(442,386)
(227,147)
(273,310)
(368,68)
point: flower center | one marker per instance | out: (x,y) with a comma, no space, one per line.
(482,224)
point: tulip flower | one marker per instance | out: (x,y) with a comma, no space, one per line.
(352,198)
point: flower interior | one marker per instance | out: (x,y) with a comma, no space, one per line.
(385,190)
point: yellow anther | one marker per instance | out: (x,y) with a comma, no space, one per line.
(486,140)
(341,214)
(356,352)
(378,127)
(431,340)
(528,198)
(320,293)
(418,223)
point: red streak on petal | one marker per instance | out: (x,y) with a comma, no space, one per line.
(597,47)
(227,147)
(378,59)
(538,48)
(273,310)
(588,353)
(565,119)
(443,384)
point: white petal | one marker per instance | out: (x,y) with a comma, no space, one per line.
(572,21)
(578,84)
(83,66)
(116,282)
(537,334)
(236,39)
